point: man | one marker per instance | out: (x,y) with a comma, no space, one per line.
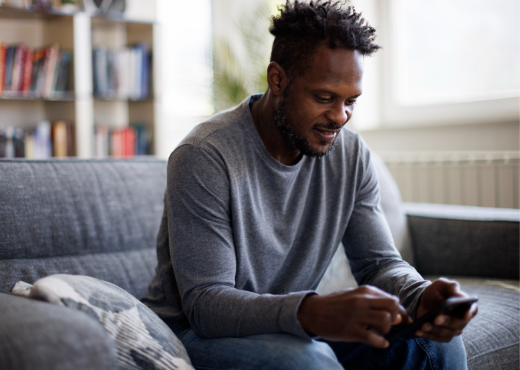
(258,199)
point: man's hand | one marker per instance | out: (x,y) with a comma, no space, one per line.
(363,314)
(444,327)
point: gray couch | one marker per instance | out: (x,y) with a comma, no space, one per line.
(100,218)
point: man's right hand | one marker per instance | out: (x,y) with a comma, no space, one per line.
(363,314)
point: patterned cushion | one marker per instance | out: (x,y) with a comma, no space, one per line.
(141,338)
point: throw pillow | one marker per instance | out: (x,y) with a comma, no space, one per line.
(143,340)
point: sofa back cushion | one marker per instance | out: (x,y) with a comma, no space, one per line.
(91,217)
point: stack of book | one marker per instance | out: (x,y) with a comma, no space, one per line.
(122,73)
(44,141)
(34,73)
(125,142)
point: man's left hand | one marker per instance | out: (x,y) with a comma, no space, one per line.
(444,327)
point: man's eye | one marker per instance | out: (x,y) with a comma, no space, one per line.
(350,102)
(323,99)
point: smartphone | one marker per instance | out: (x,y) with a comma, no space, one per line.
(454,306)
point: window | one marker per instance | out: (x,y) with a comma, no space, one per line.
(443,62)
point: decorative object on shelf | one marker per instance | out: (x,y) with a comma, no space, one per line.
(67,6)
(105,6)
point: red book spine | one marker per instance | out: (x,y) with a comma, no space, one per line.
(130,142)
(16,82)
(27,72)
(2,65)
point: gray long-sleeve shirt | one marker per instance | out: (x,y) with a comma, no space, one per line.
(245,238)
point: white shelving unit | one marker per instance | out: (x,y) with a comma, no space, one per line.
(80,32)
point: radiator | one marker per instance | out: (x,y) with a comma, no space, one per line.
(488,179)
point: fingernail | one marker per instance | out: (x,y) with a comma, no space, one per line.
(386,344)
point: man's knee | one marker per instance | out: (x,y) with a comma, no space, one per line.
(446,356)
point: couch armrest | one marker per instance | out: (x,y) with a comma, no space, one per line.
(464,241)
(38,335)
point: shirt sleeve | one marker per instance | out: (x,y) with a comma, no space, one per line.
(369,245)
(203,254)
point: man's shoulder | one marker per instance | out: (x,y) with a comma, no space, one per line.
(219,130)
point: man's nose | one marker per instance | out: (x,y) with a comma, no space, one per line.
(339,114)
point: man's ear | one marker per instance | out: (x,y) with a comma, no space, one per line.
(276,78)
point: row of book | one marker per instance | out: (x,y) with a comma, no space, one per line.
(28,72)
(122,73)
(124,142)
(44,141)
(57,139)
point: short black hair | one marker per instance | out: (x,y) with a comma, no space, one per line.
(302,27)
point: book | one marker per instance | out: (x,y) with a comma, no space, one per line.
(37,61)
(27,72)
(3,48)
(143,138)
(50,70)
(63,71)
(9,60)
(42,138)
(42,72)
(18,64)
(59,139)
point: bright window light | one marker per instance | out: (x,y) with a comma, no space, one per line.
(450,51)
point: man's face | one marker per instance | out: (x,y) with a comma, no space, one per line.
(319,102)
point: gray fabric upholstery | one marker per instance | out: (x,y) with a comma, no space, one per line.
(37,335)
(465,241)
(83,209)
(130,270)
(492,337)
(393,209)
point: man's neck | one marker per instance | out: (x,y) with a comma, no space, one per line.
(278,146)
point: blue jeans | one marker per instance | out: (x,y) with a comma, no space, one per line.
(286,351)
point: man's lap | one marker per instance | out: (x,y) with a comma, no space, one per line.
(285,351)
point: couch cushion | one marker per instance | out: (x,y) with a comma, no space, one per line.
(492,337)
(94,217)
(462,240)
(130,270)
(37,335)
(142,340)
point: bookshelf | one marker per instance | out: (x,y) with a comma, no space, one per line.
(81,32)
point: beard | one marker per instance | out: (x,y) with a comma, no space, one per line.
(302,144)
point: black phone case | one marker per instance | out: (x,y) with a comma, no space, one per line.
(455,306)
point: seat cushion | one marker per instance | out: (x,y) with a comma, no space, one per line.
(492,337)
(38,335)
